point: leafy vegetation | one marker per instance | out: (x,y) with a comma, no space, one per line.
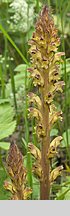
(17,24)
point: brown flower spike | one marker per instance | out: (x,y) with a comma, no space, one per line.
(17,174)
(45,74)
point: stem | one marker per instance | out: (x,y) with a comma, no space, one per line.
(37,6)
(5,55)
(2,82)
(13,90)
(45,184)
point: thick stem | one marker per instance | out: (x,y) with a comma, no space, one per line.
(45,184)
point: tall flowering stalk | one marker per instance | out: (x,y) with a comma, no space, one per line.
(17,173)
(44,70)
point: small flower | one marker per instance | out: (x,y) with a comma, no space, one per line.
(33,98)
(55,173)
(34,151)
(54,115)
(52,151)
(33,112)
(37,169)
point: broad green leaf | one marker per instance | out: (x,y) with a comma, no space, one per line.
(21,68)
(64,141)
(4,145)
(7,125)
(7,129)
(6,114)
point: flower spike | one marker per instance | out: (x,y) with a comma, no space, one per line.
(17,173)
(45,72)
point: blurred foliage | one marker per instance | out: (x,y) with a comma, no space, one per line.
(4,195)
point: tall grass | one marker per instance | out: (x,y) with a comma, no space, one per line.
(2,82)
(29,159)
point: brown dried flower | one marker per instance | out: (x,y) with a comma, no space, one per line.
(17,173)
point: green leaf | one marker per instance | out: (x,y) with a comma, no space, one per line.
(4,145)
(67,196)
(24,143)
(62,193)
(54,132)
(6,114)
(7,129)
(36,189)
(21,68)
(64,141)
(7,125)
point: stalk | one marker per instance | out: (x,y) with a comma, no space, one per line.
(37,5)
(13,91)
(2,82)
(45,184)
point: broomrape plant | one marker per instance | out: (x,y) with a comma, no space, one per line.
(17,173)
(45,74)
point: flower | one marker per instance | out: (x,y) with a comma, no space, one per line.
(17,173)
(22,18)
